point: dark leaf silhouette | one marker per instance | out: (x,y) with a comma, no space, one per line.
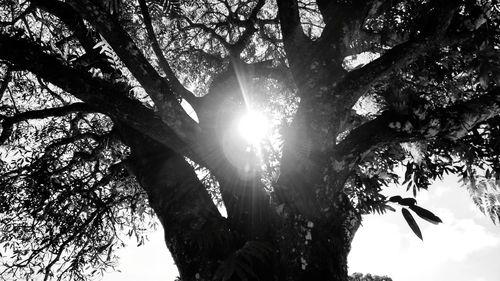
(411,222)
(408,202)
(425,214)
(395,199)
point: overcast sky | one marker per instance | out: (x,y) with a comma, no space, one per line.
(466,247)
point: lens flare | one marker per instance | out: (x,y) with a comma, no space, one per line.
(253,127)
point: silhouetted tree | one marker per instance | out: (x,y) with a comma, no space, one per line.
(96,137)
(368,277)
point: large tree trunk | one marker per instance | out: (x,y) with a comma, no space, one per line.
(204,244)
(317,249)
(195,232)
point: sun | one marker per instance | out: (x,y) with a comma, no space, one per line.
(253,126)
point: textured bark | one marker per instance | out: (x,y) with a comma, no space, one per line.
(317,249)
(195,232)
(200,239)
(304,250)
(158,89)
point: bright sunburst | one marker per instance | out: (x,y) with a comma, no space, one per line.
(253,127)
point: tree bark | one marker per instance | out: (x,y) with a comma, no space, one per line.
(201,240)
(195,232)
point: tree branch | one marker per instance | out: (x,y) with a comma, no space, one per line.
(51,92)
(295,41)
(28,10)
(176,84)
(357,82)
(208,30)
(266,69)
(100,95)
(75,23)
(250,29)
(181,203)
(342,20)
(8,122)
(169,109)
(48,112)
(70,18)
(452,122)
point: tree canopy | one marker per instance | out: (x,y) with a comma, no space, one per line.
(116,111)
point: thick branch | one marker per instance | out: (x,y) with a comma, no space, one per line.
(8,122)
(170,110)
(100,95)
(343,20)
(295,41)
(250,29)
(69,17)
(450,123)
(75,23)
(251,203)
(357,82)
(193,227)
(266,69)
(48,112)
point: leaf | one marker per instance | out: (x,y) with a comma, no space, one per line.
(408,202)
(408,173)
(172,7)
(426,214)
(395,199)
(412,223)
(99,44)
(387,207)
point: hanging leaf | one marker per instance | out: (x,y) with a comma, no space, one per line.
(100,44)
(408,201)
(107,50)
(412,223)
(387,207)
(426,214)
(395,199)
(408,173)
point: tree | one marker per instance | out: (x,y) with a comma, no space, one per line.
(96,138)
(368,277)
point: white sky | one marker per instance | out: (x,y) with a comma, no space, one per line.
(465,247)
